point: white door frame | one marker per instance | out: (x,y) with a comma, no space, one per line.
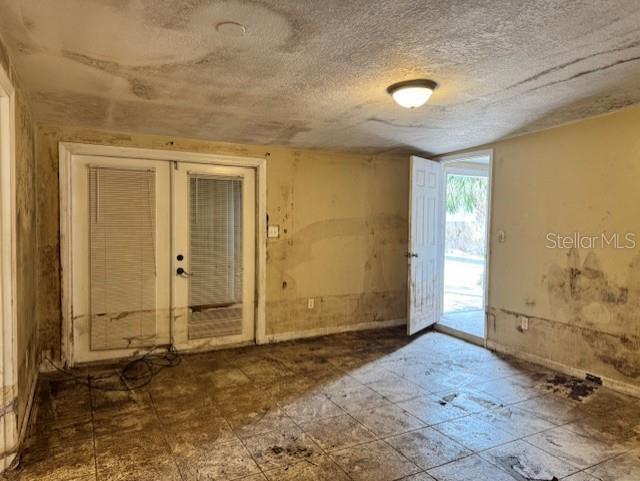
(469,163)
(67,151)
(9,429)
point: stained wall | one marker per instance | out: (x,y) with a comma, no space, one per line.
(26,253)
(343,225)
(583,303)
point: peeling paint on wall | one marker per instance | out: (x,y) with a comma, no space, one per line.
(598,305)
(588,297)
(608,355)
(583,304)
(336,311)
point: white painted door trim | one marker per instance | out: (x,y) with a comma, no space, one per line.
(9,429)
(67,151)
(468,162)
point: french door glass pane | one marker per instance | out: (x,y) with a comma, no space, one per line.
(215,256)
(122,238)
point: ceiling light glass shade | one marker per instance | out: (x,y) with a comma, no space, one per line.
(412,93)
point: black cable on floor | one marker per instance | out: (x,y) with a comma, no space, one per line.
(135,374)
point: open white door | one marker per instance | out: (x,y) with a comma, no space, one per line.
(425,197)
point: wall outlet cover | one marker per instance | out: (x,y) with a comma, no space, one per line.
(311,303)
(273,231)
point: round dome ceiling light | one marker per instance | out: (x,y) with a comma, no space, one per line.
(412,93)
(231,28)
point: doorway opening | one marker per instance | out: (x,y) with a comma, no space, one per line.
(466,190)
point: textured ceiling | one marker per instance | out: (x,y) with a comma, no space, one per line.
(313,73)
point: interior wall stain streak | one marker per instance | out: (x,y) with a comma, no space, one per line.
(319,254)
(579,178)
(17,398)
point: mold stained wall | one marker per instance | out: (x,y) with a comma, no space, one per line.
(26,242)
(583,303)
(343,231)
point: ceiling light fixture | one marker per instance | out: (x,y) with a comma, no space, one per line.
(412,93)
(231,28)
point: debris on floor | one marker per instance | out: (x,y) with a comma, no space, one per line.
(372,405)
(575,388)
(520,472)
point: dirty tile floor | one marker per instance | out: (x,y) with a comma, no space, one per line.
(369,406)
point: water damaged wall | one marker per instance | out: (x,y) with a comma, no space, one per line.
(343,231)
(578,181)
(26,258)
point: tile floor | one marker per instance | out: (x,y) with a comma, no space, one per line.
(370,406)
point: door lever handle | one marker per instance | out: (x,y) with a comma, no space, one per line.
(411,254)
(181,272)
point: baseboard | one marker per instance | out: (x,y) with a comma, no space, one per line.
(290,336)
(325,331)
(570,371)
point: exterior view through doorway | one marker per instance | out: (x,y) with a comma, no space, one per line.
(465,213)
(449,213)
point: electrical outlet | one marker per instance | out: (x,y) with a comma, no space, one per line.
(273,231)
(502,236)
(311,302)
(524,323)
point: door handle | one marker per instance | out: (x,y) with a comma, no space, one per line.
(181,272)
(411,254)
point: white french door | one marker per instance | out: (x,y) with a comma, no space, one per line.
(213,255)
(162,253)
(424,304)
(121,271)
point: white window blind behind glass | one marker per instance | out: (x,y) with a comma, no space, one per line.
(215,256)
(122,257)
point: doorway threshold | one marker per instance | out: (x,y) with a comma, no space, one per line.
(468,326)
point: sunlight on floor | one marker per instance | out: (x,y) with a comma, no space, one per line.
(367,406)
